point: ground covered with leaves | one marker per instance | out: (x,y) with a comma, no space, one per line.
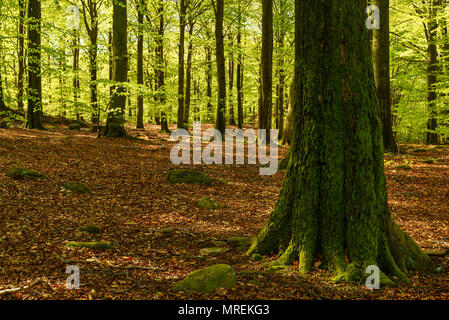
(154,233)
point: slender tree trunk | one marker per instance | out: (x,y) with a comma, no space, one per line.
(111,61)
(140,10)
(115,123)
(432,71)
(266,105)
(239,72)
(381,61)
(337,143)
(209,83)
(21,57)
(76,62)
(231,81)
(181,46)
(188,75)
(34,111)
(220,121)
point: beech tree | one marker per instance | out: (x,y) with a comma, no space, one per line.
(34,111)
(115,123)
(220,121)
(381,61)
(337,143)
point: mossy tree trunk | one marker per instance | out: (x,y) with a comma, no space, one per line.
(334,200)
(34,111)
(381,61)
(140,14)
(220,120)
(115,123)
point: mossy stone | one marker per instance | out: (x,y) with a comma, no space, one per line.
(215,251)
(91,245)
(19,173)
(240,242)
(209,279)
(403,167)
(188,176)
(75,187)
(209,204)
(91,229)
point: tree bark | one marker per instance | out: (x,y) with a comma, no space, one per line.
(188,91)
(266,105)
(334,203)
(181,46)
(220,121)
(21,57)
(381,61)
(34,111)
(239,71)
(140,11)
(231,81)
(115,123)
(432,71)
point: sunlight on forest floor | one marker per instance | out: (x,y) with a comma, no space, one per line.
(157,230)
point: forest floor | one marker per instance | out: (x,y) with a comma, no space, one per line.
(157,230)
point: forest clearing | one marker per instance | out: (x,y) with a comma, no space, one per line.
(156,229)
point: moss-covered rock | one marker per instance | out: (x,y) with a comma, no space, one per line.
(240,242)
(209,279)
(91,229)
(209,204)
(91,245)
(74,186)
(188,176)
(215,251)
(403,167)
(19,173)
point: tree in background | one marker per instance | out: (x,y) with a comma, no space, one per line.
(381,61)
(220,120)
(337,143)
(266,106)
(33,119)
(115,123)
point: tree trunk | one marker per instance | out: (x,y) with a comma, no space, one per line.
(209,116)
(220,121)
(239,72)
(381,61)
(21,57)
(181,45)
(231,81)
(265,111)
(432,70)
(115,123)
(188,75)
(76,63)
(34,111)
(140,10)
(288,127)
(337,143)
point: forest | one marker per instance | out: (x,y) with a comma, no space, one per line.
(340,185)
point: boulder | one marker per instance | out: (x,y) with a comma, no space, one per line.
(209,279)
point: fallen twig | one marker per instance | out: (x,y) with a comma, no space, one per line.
(12,290)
